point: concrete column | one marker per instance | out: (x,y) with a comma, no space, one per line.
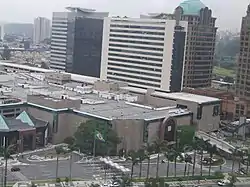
(33,141)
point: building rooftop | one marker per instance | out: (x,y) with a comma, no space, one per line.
(187,97)
(192,7)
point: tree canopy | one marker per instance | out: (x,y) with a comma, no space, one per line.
(84,138)
(185,134)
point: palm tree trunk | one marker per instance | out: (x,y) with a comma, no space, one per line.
(148,168)
(57,160)
(194,163)
(247,167)
(233,165)
(185,170)
(239,164)
(201,163)
(132,171)
(175,160)
(70,167)
(157,165)
(5,172)
(188,170)
(168,168)
(140,169)
(210,164)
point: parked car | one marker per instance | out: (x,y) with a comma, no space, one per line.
(223,182)
(14,169)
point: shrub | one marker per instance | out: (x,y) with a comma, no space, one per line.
(66,179)
(58,180)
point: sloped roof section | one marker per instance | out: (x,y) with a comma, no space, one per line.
(3,123)
(25,118)
(192,7)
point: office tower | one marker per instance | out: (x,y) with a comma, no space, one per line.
(243,69)
(76,42)
(42,29)
(200,41)
(145,53)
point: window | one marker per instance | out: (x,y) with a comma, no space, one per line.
(199,112)
(216,110)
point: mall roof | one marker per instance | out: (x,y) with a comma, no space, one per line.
(192,7)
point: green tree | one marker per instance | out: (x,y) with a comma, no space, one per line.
(202,146)
(71,149)
(185,135)
(6,152)
(6,53)
(59,150)
(233,180)
(85,133)
(149,151)
(133,157)
(247,155)
(159,147)
(234,156)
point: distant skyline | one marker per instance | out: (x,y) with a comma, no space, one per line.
(228,12)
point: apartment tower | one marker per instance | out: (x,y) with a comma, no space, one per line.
(42,29)
(76,42)
(200,44)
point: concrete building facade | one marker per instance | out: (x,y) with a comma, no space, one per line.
(145,53)
(42,29)
(200,44)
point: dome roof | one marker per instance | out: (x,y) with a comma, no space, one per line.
(192,7)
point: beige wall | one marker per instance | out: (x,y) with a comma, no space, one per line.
(131,133)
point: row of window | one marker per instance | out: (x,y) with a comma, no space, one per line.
(134,77)
(133,66)
(136,72)
(138,32)
(134,62)
(133,82)
(136,47)
(136,42)
(137,27)
(136,52)
(135,57)
(136,37)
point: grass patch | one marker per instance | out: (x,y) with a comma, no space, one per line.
(224,72)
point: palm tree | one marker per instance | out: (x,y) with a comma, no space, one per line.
(133,157)
(195,148)
(159,147)
(202,145)
(233,180)
(175,152)
(212,149)
(141,156)
(59,150)
(187,159)
(6,152)
(234,155)
(71,149)
(168,156)
(149,149)
(247,159)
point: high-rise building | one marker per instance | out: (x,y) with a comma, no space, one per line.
(243,70)
(200,41)
(76,42)
(41,30)
(145,53)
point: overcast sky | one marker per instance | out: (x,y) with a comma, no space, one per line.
(228,12)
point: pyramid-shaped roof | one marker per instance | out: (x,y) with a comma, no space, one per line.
(192,7)
(25,118)
(3,123)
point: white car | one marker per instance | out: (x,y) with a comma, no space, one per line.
(223,182)
(115,184)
